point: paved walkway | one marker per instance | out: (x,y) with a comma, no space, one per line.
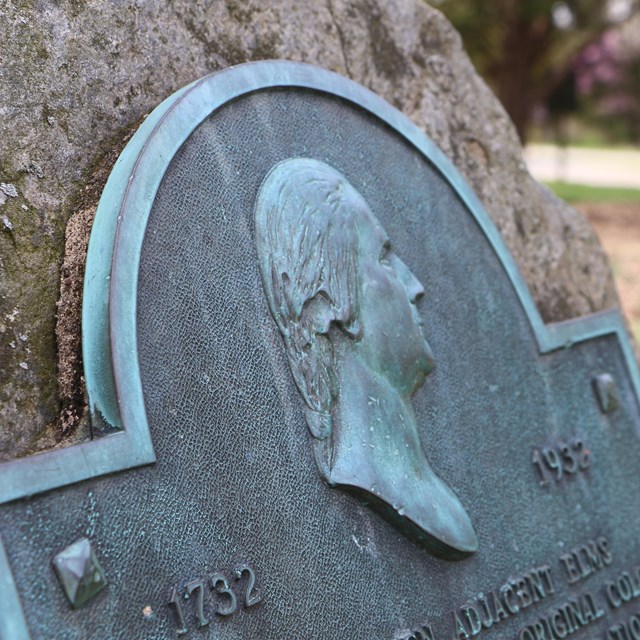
(598,167)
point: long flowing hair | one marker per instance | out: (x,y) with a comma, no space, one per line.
(307,242)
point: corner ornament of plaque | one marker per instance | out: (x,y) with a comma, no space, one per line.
(345,305)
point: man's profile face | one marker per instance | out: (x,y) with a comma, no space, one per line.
(346,307)
(392,335)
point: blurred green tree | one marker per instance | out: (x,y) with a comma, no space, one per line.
(525,49)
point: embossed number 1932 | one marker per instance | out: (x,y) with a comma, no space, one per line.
(227,599)
(561,460)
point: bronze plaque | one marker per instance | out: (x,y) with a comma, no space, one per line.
(324,404)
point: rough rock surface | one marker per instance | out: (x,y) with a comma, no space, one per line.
(78,76)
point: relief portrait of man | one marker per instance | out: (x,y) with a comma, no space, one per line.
(345,305)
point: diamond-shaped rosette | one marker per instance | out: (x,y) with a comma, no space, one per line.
(607,392)
(79,572)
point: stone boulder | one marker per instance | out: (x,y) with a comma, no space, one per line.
(78,77)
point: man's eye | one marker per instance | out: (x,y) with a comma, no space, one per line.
(385,255)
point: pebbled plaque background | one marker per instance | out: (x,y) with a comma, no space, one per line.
(235,481)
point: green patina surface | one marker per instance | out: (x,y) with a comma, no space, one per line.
(524,364)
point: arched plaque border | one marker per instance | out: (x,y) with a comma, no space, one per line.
(109,308)
(123,449)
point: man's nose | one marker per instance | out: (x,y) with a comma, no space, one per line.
(414,287)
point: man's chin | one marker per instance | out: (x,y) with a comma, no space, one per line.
(428,363)
(420,377)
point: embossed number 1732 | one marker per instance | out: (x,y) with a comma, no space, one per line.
(227,599)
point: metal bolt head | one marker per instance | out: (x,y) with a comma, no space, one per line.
(79,572)
(606,392)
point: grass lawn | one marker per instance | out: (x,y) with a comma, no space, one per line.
(618,225)
(572,192)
